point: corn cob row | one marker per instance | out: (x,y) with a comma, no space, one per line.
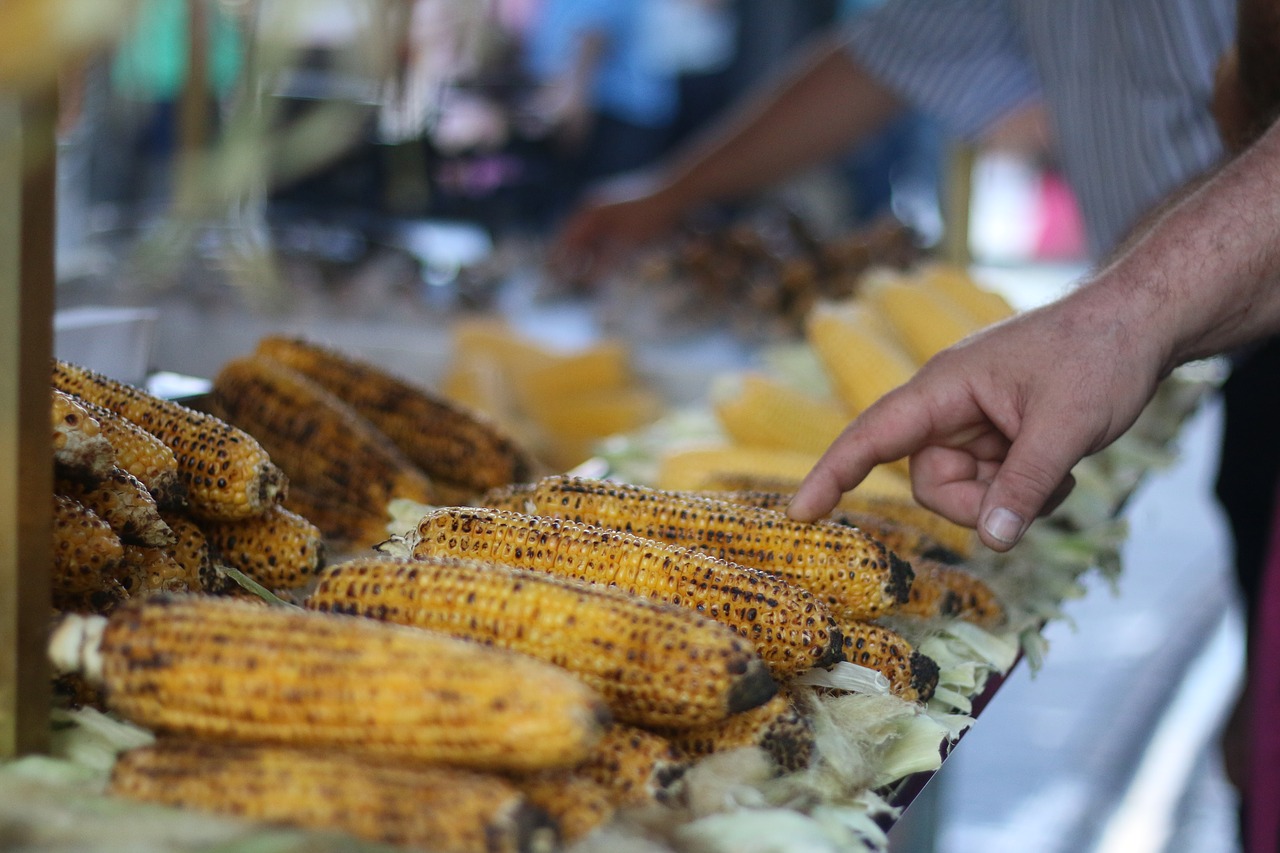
(143,455)
(779,727)
(449,443)
(942,590)
(217,669)
(434,808)
(848,570)
(320,442)
(912,675)
(791,629)
(226,471)
(907,542)
(79,447)
(85,548)
(279,549)
(654,664)
(124,503)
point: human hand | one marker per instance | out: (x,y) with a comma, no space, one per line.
(994,425)
(621,215)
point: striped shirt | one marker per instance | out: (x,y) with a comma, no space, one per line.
(1127,84)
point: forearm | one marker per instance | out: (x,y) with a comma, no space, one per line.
(824,104)
(1205,273)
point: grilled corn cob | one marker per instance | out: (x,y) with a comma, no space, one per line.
(907,542)
(85,548)
(434,808)
(779,727)
(706,467)
(577,803)
(912,675)
(449,443)
(941,590)
(320,442)
(345,525)
(224,670)
(145,571)
(854,574)
(790,628)
(191,551)
(279,549)
(655,664)
(226,471)
(143,455)
(637,766)
(124,503)
(79,447)
(907,513)
(862,361)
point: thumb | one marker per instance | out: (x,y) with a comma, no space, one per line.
(1034,473)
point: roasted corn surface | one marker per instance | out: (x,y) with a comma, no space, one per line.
(779,727)
(790,628)
(638,766)
(943,590)
(143,455)
(279,549)
(448,442)
(85,548)
(912,675)
(854,574)
(79,447)
(428,808)
(655,664)
(226,471)
(122,501)
(219,669)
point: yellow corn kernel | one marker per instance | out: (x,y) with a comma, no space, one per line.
(431,808)
(951,591)
(226,471)
(146,571)
(912,675)
(855,575)
(448,442)
(218,669)
(143,455)
(79,447)
(791,629)
(924,320)
(638,767)
(323,444)
(346,526)
(759,411)
(779,727)
(985,305)
(124,503)
(862,362)
(191,551)
(279,549)
(707,467)
(85,548)
(654,664)
(577,803)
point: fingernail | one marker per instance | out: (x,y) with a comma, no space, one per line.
(1004,525)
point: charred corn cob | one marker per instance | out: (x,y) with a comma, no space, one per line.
(101,600)
(779,727)
(907,513)
(223,670)
(79,447)
(950,591)
(637,766)
(577,803)
(759,411)
(862,362)
(191,551)
(146,571)
(85,548)
(279,549)
(345,525)
(448,442)
(706,467)
(124,503)
(791,629)
(852,573)
(912,675)
(924,320)
(433,808)
(907,542)
(323,444)
(655,664)
(143,455)
(226,471)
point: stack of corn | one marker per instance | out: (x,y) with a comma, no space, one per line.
(865,345)
(352,437)
(149,494)
(562,403)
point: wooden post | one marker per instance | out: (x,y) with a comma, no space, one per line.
(27,171)
(957,200)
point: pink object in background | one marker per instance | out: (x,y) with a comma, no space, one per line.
(1061,233)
